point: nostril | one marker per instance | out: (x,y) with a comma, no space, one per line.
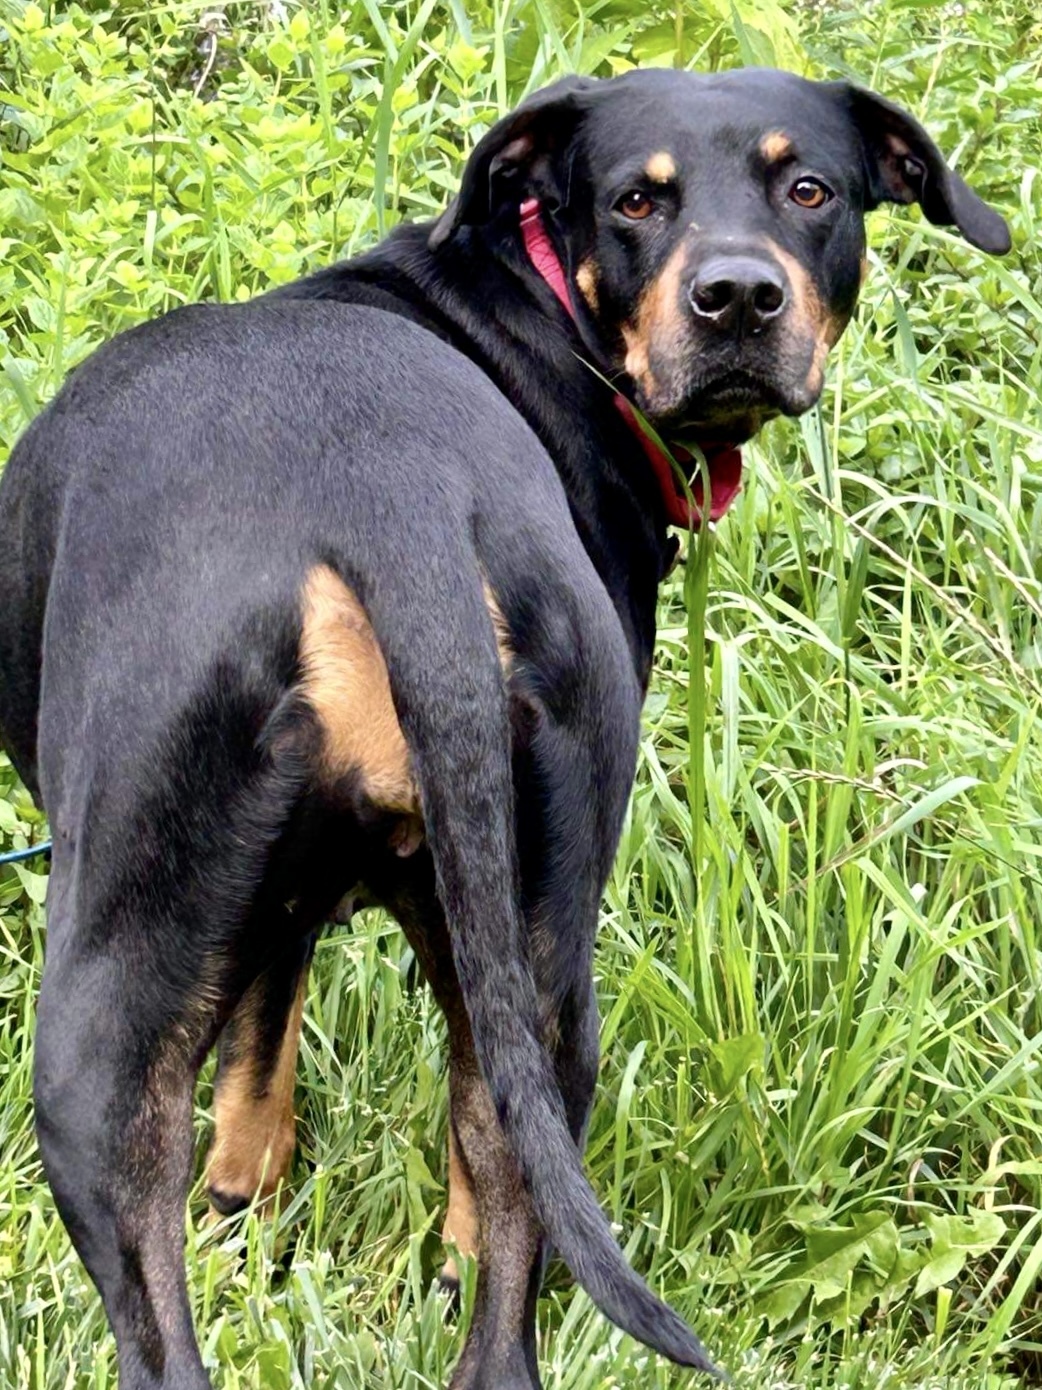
(712,298)
(738,294)
(768,299)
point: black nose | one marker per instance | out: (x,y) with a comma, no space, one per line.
(738,294)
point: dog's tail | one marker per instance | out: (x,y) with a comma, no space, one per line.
(449,689)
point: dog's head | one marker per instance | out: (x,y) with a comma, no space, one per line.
(711,226)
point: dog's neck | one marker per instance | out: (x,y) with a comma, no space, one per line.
(522,339)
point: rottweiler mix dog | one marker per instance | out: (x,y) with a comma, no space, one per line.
(351,590)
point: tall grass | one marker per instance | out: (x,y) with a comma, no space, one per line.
(819,1122)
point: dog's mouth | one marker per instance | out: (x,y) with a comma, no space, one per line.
(721,471)
(731,405)
(721,415)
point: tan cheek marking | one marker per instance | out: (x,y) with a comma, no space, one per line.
(659,321)
(775,146)
(816,371)
(810,313)
(637,365)
(828,335)
(345,681)
(461,1220)
(586,278)
(806,300)
(255,1128)
(661,167)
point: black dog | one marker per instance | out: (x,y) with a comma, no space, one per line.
(352,588)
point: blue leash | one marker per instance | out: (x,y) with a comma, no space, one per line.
(15,856)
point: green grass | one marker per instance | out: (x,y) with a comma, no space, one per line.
(819,1122)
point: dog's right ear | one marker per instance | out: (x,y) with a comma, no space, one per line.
(513,153)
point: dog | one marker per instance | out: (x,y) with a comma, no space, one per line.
(350,590)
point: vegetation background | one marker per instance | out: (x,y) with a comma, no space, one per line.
(819,1122)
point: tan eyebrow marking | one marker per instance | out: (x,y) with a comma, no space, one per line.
(661,167)
(775,146)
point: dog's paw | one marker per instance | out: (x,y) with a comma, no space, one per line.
(449,1288)
(227,1203)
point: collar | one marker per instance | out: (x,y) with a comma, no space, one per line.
(723,461)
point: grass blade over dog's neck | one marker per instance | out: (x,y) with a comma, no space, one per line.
(696,597)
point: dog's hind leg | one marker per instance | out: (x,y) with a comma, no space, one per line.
(576,1057)
(500,1352)
(490,1212)
(254,1120)
(491,1215)
(570,796)
(159,920)
(572,763)
(117,1052)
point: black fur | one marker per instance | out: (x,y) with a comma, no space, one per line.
(422,421)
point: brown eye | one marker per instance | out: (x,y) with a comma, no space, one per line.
(636,205)
(810,193)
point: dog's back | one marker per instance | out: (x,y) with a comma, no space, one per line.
(259,462)
(31,490)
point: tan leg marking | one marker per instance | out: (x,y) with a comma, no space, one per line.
(255,1125)
(661,167)
(775,146)
(345,681)
(461,1220)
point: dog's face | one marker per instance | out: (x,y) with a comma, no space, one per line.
(723,242)
(711,226)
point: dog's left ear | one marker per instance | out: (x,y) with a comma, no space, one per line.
(511,150)
(905,166)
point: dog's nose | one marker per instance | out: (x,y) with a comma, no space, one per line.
(738,294)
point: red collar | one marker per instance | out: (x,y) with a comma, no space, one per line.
(724,461)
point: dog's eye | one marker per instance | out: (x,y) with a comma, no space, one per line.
(810,193)
(636,205)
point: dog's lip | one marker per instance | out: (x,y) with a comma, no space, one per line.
(718,404)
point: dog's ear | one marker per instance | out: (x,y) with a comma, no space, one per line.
(905,166)
(506,158)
